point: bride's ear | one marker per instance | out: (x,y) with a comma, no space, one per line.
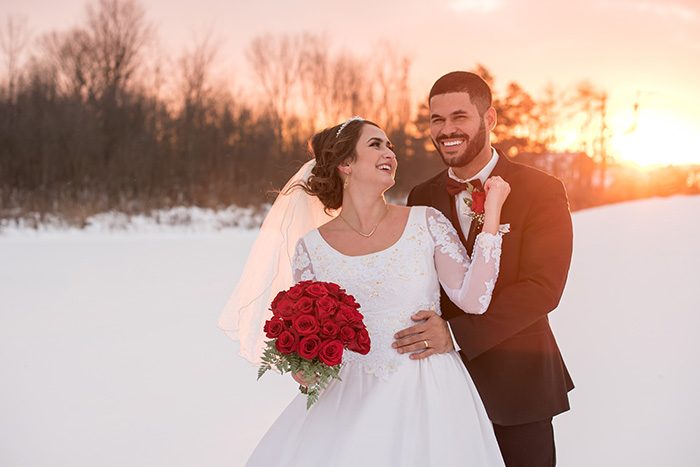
(344,168)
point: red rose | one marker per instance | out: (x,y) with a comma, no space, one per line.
(357,318)
(286,343)
(349,300)
(277,299)
(347,335)
(309,347)
(304,305)
(331,352)
(295,292)
(329,329)
(274,327)
(346,315)
(325,307)
(478,199)
(305,325)
(285,309)
(362,342)
(333,289)
(316,290)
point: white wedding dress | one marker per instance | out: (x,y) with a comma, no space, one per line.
(389,410)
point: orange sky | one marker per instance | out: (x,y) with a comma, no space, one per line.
(623,46)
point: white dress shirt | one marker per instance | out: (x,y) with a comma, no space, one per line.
(463,211)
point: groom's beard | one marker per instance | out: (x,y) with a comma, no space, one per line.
(474,147)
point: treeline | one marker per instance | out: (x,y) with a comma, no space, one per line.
(96,118)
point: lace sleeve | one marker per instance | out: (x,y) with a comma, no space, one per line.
(468,282)
(302,269)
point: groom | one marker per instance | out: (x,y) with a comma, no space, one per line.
(510,350)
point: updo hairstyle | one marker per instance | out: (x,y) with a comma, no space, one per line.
(330,150)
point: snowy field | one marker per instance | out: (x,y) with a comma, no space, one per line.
(110,354)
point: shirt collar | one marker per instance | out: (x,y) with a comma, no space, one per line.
(483,174)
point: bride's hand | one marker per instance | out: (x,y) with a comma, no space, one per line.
(497,191)
(299,378)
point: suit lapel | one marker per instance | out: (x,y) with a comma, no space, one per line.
(474,229)
(439,198)
(503,166)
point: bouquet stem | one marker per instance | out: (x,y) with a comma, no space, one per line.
(314,370)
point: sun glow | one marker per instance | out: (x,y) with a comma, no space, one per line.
(657,139)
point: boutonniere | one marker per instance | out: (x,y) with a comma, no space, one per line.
(475,202)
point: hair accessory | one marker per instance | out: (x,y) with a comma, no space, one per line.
(346,123)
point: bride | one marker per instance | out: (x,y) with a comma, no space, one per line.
(332,223)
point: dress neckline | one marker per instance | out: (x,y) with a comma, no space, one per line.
(390,247)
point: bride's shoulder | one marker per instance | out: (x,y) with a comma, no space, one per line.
(428,212)
(329,227)
(419,212)
(399,214)
(398,209)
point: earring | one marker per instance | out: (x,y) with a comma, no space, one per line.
(346,182)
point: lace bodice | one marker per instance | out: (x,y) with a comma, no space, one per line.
(392,284)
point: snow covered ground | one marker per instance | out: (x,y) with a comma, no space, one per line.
(175,220)
(110,354)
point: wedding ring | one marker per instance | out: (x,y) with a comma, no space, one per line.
(427,346)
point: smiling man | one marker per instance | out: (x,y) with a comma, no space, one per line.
(510,350)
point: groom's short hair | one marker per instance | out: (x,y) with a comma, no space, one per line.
(464,81)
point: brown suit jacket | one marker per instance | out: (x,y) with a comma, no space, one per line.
(510,350)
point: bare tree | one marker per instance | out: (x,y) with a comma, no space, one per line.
(276,63)
(589,106)
(315,80)
(99,60)
(117,32)
(391,98)
(67,54)
(197,102)
(548,110)
(14,37)
(350,93)
(195,71)
(582,108)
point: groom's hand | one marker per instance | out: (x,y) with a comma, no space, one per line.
(431,329)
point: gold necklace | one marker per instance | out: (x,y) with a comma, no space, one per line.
(386,211)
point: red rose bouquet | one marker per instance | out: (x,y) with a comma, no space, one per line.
(312,324)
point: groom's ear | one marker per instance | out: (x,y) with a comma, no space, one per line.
(490,118)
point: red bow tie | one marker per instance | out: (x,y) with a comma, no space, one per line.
(454,187)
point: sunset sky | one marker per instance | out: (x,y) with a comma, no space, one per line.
(648,48)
